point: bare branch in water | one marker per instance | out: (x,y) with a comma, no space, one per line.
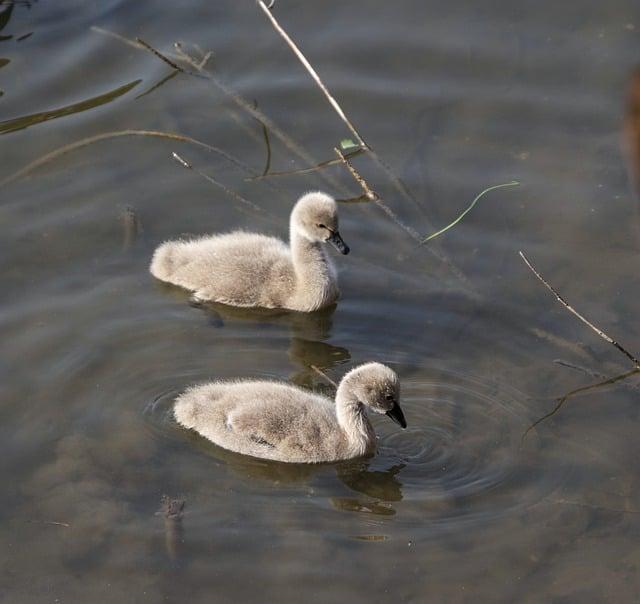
(115,36)
(187,58)
(399,185)
(573,311)
(371,195)
(361,199)
(312,72)
(562,400)
(594,374)
(215,182)
(320,166)
(167,60)
(122,133)
(240,101)
(305,156)
(51,522)
(324,375)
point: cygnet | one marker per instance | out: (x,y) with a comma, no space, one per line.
(253,270)
(274,420)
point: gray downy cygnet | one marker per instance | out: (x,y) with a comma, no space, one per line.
(277,421)
(253,270)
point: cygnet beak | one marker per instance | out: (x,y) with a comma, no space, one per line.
(337,242)
(395,413)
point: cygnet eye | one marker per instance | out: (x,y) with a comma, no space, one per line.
(321,226)
(389,397)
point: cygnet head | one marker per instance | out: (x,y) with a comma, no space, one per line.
(378,387)
(315,217)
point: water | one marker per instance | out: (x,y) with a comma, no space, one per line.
(454,98)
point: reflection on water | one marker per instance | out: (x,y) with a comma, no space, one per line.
(94,350)
(308,332)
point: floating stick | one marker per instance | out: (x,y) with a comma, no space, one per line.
(573,311)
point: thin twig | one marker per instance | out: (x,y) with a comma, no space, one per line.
(187,58)
(594,374)
(360,199)
(122,133)
(215,182)
(312,73)
(562,400)
(371,195)
(241,102)
(397,182)
(324,375)
(572,310)
(167,60)
(585,370)
(115,36)
(303,155)
(51,522)
(320,166)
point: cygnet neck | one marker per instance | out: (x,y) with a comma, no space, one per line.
(352,418)
(309,257)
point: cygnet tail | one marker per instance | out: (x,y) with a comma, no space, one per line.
(185,410)
(163,263)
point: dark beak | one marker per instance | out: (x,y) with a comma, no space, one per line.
(395,413)
(337,242)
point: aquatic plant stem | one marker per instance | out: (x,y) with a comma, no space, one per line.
(312,72)
(371,195)
(166,59)
(398,184)
(513,183)
(237,99)
(122,133)
(320,166)
(185,164)
(573,311)
(563,399)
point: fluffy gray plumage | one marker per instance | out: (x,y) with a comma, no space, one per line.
(277,421)
(252,270)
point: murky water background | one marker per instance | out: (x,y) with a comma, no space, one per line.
(455,98)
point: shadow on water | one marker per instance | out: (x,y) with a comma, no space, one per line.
(379,486)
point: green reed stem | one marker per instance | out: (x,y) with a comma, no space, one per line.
(513,183)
